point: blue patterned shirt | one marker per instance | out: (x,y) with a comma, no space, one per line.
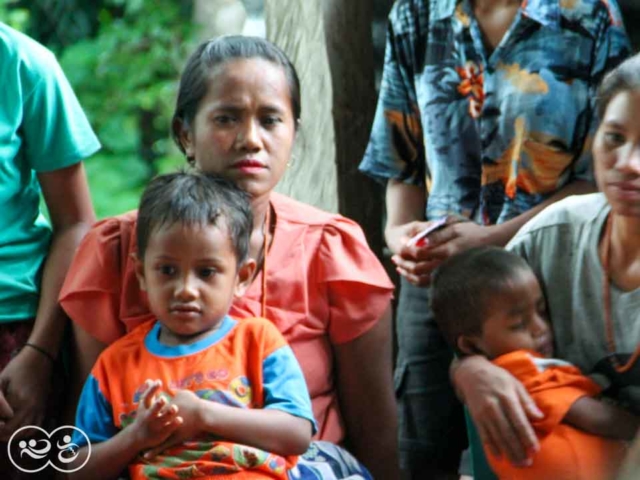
(490,134)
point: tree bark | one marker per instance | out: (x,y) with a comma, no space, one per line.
(349,46)
(220,17)
(296,26)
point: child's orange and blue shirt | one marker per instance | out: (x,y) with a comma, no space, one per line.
(566,452)
(245,364)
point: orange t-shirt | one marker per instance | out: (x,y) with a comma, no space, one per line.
(245,365)
(566,453)
(324,287)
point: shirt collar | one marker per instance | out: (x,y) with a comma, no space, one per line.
(441,9)
(545,12)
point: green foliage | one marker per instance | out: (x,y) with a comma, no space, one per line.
(12,15)
(126,78)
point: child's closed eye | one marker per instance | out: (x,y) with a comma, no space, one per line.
(516,326)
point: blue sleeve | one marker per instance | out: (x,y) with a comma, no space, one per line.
(396,145)
(612,47)
(94,415)
(284,386)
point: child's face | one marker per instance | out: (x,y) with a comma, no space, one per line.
(191,277)
(515,319)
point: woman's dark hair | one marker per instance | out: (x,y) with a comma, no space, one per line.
(194,79)
(624,77)
(195,199)
(462,286)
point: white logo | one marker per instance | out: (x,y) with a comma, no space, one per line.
(42,449)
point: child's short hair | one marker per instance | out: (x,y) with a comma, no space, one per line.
(462,285)
(194,198)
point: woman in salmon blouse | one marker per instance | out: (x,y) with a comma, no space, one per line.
(237,114)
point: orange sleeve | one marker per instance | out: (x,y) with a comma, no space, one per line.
(91,291)
(557,391)
(358,288)
(553,389)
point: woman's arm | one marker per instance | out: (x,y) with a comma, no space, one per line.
(365,389)
(603,419)
(85,350)
(499,406)
(25,381)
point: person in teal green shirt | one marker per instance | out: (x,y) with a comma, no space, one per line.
(44,135)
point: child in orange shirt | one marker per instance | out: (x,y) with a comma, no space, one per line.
(488,301)
(153,393)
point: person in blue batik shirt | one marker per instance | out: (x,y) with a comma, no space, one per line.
(485,115)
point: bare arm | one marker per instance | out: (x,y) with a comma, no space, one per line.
(71,216)
(365,388)
(631,465)
(405,213)
(499,406)
(156,419)
(417,263)
(25,381)
(271,430)
(268,429)
(603,419)
(501,234)
(85,350)
(108,459)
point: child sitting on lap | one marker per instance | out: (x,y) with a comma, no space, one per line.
(488,301)
(152,393)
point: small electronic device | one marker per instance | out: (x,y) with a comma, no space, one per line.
(418,239)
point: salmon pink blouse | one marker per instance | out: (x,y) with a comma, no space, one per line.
(324,286)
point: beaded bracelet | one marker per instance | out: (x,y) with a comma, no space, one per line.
(41,350)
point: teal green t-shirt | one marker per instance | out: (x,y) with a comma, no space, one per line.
(42,128)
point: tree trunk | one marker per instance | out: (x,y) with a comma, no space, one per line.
(218,17)
(349,46)
(296,26)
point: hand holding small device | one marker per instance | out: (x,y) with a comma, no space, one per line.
(419,239)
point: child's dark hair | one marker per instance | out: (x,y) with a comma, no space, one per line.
(194,82)
(624,77)
(195,199)
(462,285)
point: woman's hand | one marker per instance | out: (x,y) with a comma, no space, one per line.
(500,407)
(25,385)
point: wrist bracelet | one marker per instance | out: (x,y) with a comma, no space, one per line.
(42,351)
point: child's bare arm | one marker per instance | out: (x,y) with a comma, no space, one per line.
(108,459)
(268,429)
(601,418)
(271,430)
(631,465)
(155,421)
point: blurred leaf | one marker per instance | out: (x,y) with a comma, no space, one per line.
(126,78)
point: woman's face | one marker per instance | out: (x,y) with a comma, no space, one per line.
(244,127)
(616,152)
